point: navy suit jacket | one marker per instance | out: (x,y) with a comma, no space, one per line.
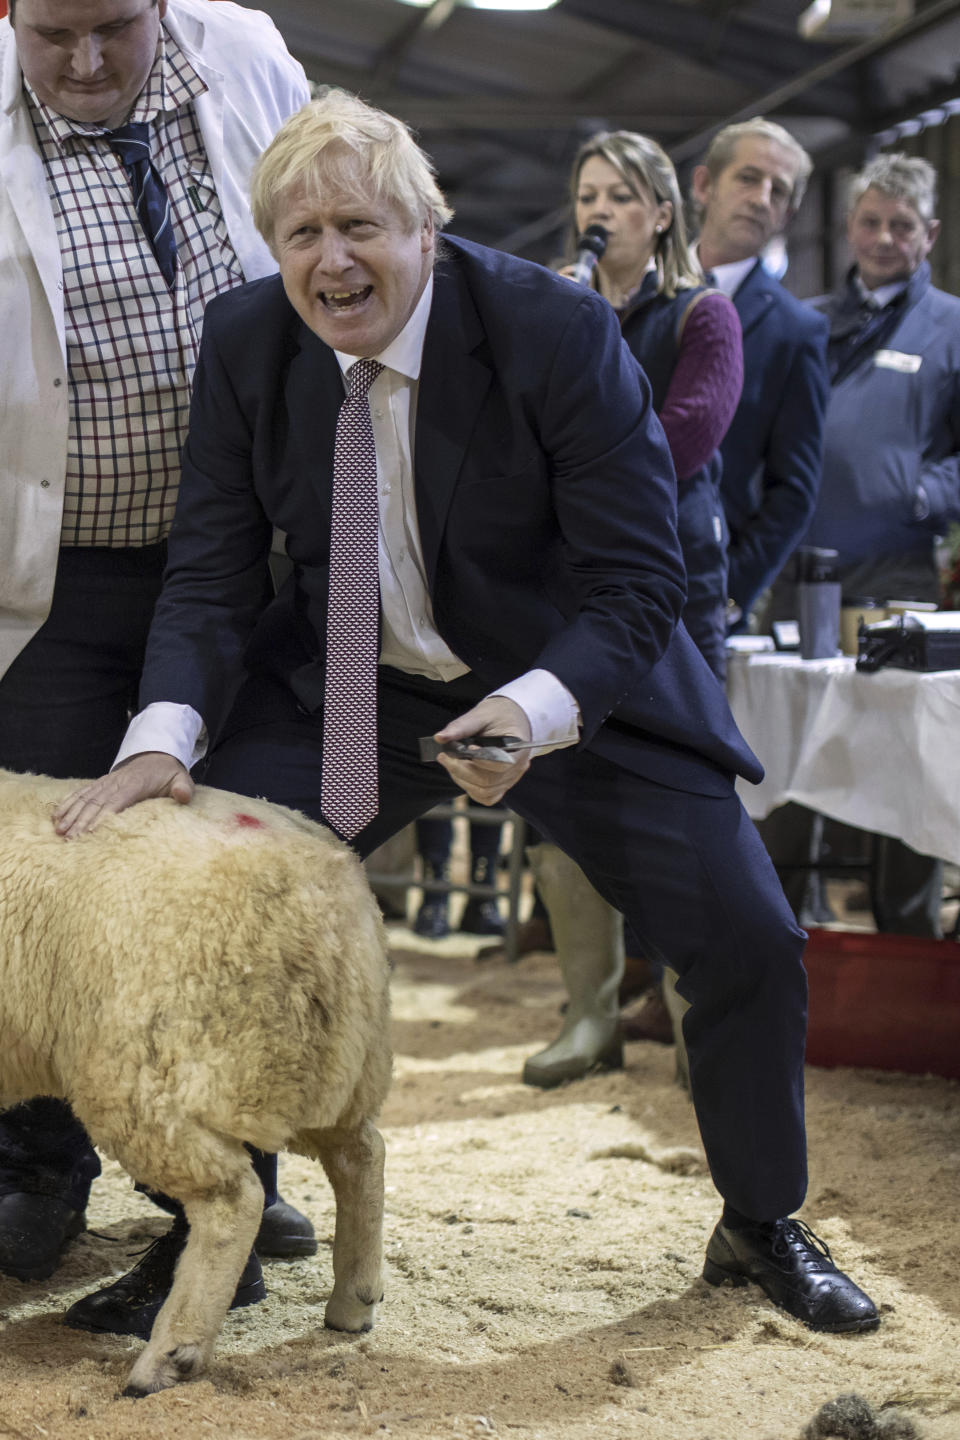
(772,451)
(545,499)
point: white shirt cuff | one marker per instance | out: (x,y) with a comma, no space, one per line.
(553,712)
(175,730)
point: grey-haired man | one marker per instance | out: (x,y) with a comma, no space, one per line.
(891,460)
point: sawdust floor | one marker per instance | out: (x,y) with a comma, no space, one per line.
(543,1260)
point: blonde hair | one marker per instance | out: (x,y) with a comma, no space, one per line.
(337,140)
(723,147)
(644,165)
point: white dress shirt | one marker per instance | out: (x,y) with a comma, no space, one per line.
(728,278)
(410,640)
(880,298)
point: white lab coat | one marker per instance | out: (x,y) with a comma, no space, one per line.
(253,85)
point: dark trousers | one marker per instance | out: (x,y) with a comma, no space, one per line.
(702,529)
(688,871)
(435,840)
(704,538)
(64,706)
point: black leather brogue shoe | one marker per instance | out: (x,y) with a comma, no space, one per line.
(796,1270)
(33,1232)
(131,1304)
(284,1233)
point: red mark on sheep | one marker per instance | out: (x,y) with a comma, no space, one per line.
(250,821)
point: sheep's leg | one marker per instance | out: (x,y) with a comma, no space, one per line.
(222,1231)
(353,1160)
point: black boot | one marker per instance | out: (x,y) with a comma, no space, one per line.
(284,1233)
(433,919)
(33,1232)
(480,914)
(131,1304)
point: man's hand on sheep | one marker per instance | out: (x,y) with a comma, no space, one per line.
(142,777)
(487,781)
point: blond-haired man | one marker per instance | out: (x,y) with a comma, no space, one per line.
(524,577)
(750,184)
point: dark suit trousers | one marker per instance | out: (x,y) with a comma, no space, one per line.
(64,706)
(688,871)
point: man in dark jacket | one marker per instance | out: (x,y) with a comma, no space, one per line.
(483,534)
(750,184)
(891,462)
(891,465)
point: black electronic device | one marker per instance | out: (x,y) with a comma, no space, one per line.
(786,634)
(907,644)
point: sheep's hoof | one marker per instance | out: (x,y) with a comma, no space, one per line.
(134,1392)
(150,1376)
(350,1314)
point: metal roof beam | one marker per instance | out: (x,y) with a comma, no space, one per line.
(428,114)
(696,35)
(392,56)
(472,112)
(772,100)
(467,113)
(860,143)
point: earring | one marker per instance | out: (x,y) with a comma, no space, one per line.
(658,229)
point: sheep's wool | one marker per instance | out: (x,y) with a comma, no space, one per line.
(193,979)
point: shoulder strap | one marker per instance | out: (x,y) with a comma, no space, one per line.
(687,310)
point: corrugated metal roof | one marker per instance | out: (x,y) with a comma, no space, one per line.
(502,100)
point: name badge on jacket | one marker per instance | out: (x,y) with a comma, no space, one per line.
(898,360)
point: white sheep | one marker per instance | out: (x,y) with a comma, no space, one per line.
(191,978)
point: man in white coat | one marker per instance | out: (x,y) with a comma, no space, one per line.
(127,131)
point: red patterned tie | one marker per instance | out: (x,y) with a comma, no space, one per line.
(348,793)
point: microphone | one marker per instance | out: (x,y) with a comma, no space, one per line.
(590,246)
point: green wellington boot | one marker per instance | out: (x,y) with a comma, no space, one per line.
(588,936)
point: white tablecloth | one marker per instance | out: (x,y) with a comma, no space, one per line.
(880,751)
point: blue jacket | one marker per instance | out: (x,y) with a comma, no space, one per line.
(545,500)
(891,466)
(771,453)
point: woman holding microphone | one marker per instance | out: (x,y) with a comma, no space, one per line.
(687,338)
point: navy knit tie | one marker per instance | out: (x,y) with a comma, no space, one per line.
(132,144)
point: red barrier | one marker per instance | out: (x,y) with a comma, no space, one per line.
(890,1002)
